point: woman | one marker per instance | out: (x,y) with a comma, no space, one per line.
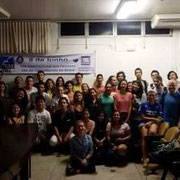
(81,152)
(85,91)
(93,104)
(130,86)
(3,88)
(117,133)
(88,123)
(15,115)
(98,85)
(60,81)
(5,100)
(123,101)
(113,81)
(107,101)
(99,137)
(69,90)
(22,99)
(151,116)
(78,105)
(158,87)
(137,91)
(172,75)
(120,76)
(50,88)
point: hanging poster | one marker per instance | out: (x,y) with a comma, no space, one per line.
(65,64)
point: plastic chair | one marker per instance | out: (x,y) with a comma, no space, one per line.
(161,133)
(163,128)
(171,134)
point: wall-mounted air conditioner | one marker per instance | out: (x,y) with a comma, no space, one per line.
(165,21)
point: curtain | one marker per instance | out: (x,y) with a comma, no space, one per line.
(25,37)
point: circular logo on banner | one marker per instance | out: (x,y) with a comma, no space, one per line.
(19,59)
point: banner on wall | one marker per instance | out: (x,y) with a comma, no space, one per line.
(65,64)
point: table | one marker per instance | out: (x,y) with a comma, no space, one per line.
(16,142)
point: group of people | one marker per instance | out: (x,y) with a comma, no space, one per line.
(95,124)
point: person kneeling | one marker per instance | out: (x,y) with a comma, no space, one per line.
(81,147)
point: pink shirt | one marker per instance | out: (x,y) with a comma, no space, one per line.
(123,101)
(122,132)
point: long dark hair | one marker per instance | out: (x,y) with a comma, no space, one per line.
(11,115)
(24,102)
(139,92)
(112,119)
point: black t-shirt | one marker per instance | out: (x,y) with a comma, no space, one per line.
(63,121)
(94,108)
(100,130)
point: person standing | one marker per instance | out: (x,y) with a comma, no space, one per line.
(78,85)
(170,102)
(138,74)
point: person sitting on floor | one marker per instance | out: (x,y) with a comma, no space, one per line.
(117,133)
(81,152)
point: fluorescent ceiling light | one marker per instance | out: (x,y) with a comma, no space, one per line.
(129,7)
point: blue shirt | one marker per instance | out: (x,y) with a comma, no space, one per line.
(82,147)
(150,110)
(171,108)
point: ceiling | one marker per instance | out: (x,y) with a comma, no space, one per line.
(82,9)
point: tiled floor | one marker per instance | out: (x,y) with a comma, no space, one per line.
(53,168)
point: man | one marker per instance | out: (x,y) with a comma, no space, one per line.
(99,87)
(41,89)
(40,77)
(79,78)
(29,87)
(18,83)
(42,117)
(138,74)
(170,102)
(63,123)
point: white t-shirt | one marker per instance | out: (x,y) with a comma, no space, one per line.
(41,118)
(29,92)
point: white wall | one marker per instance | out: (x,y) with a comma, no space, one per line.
(122,53)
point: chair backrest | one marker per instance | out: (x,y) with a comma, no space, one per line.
(171,134)
(163,128)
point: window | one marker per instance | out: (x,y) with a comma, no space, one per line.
(129,28)
(149,30)
(100,28)
(72,29)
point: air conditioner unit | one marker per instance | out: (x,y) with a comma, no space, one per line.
(4,14)
(165,21)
